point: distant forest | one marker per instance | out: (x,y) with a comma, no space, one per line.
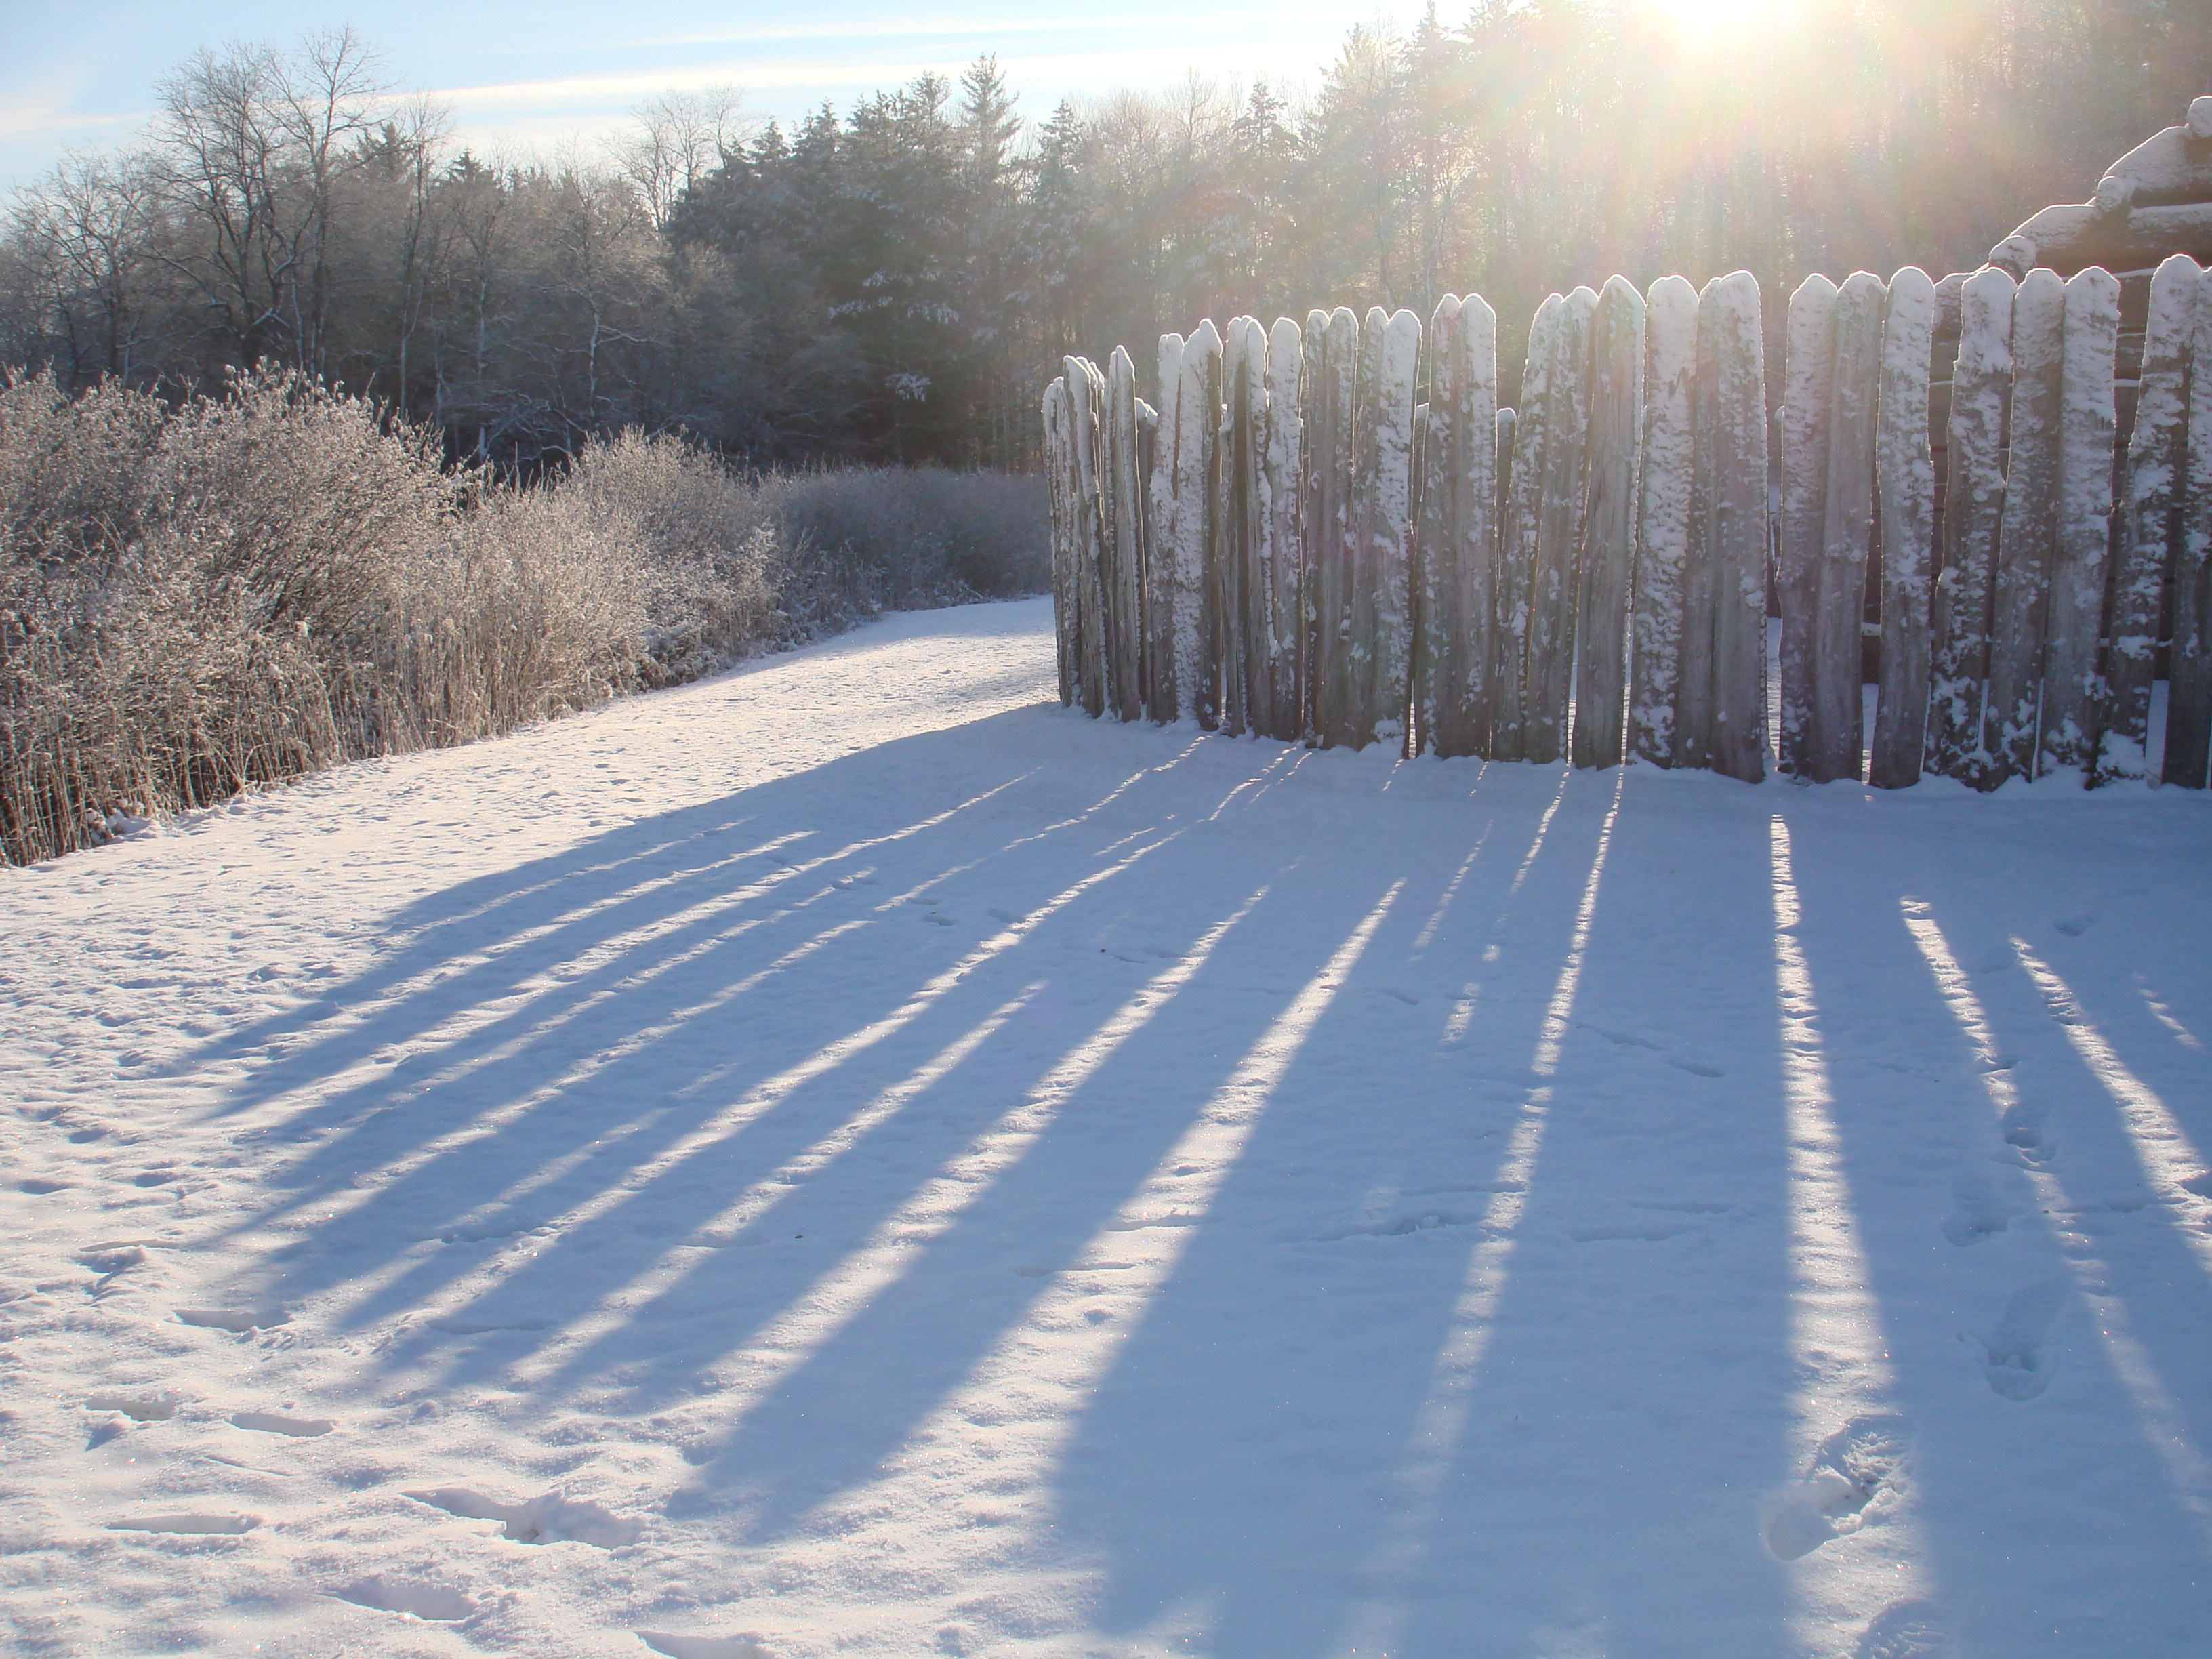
(894,284)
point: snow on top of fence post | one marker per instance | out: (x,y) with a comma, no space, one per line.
(1662,515)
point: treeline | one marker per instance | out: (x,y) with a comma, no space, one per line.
(896,284)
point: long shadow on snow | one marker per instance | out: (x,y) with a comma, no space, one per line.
(1975,1234)
(1401,1490)
(616,1083)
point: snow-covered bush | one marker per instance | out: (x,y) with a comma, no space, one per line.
(197,599)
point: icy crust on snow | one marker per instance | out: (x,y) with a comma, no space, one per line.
(850,1158)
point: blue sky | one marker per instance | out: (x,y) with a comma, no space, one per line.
(80,73)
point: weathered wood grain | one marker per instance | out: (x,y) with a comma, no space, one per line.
(1663,516)
(2142,552)
(1720,709)
(1807,390)
(2188,689)
(1122,501)
(2073,701)
(1282,472)
(1904,472)
(1973,509)
(1608,550)
(2027,536)
(1167,620)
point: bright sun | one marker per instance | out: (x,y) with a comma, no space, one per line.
(1722,17)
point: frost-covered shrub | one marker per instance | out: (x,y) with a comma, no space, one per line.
(194,599)
(892,538)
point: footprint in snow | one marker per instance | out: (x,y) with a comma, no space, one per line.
(2015,1362)
(703,1647)
(158,1407)
(1980,1212)
(550,1518)
(2076,925)
(219,1526)
(109,1260)
(1906,1630)
(299,1428)
(1856,1475)
(238,1320)
(409,1596)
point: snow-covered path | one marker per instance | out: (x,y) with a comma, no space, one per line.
(917,1171)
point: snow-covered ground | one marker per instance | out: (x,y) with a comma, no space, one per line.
(846,1158)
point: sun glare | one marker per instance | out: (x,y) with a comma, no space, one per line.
(1719,20)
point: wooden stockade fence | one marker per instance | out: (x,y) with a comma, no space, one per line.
(1964,497)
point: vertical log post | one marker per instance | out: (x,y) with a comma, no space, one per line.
(1240,573)
(1331,532)
(1906,473)
(1722,707)
(1283,471)
(1198,522)
(1389,353)
(2189,688)
(1064,621)
(1122,498)
(1439,629)
(1164,613)
(1548,678)
(1459,504)
(2074,705)
(1477,425)
(1808,377)
(2144,554)
(1848,537)
(2027,536)
(1518,532)
(1973,509)
(1086,392)
(1609,550)
(1663,516)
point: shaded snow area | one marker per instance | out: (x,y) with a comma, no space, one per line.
(850,1158)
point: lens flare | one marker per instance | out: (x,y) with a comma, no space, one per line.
(1721,21)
